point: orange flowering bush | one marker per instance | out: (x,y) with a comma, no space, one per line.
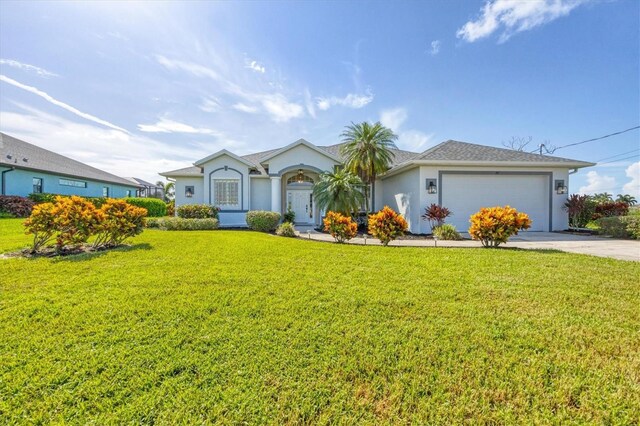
(341,227)
(493,226)
(76,219)
(387,225)
(119,220)
(41,224)
(73,220)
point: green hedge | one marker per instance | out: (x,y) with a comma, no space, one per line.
(180,224)
(46,197)
(197,211)
(263,221)
(154,206)
(286,229)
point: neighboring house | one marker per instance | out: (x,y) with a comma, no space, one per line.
(26,168)
(461,176)
(147,189)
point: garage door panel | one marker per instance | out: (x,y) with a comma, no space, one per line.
(465,194)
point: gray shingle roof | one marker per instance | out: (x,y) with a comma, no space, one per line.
(47,161)
(464,151)
(187,171)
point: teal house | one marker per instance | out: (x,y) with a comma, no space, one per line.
(26,168)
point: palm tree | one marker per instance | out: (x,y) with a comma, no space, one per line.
(367,152)
(168,189)
(629,200)
(340,192)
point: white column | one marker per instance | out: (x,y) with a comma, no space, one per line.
(276,194)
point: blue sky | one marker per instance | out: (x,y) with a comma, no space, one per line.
(138,87)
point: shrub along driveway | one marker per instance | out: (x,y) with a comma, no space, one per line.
(595,246)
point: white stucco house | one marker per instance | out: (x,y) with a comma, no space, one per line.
(460,176)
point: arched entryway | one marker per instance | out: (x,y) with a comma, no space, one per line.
(298,191)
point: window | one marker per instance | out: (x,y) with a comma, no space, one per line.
(128,193)
(105,191)
(188,191)
(300,177)
(75,183)
(37,185)
(226,192)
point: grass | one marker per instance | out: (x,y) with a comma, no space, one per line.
(231,327)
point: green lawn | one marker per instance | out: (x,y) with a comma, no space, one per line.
(240,327)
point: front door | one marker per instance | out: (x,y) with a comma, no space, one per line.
(301,202)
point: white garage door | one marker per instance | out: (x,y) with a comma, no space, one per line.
(465,194)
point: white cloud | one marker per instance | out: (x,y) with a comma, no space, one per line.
(122,154)
(311,109)
(513,16)
(633,186)
(275,104)
(245,108)
(210,105)
(393,118)
(280,109)
(255,66)
(352,100)
(597,183)
(414,140)
(170,126)
(435,47)
(29,68)
(56,102)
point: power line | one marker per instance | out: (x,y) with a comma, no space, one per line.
(594,139)
(618,155)
(619,159)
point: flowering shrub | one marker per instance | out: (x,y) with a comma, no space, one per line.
(171,208)
(41,224)
(16,206)
(76,219)
(387,225)
(118,221)
(286,229)
(197,211)
(72,220)
(494,225)
(341,227)
(435,215)
(633,225)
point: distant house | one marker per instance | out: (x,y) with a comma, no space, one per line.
(460,176)
(147,189)
(26,168)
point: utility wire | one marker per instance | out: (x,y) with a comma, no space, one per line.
(619,159)
(618,155)
(594,139)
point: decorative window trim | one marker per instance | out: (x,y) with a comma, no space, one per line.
(105,191)
(71,182)
(226,191)
(38,188)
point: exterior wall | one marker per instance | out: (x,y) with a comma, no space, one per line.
(560,219)
(227,167)
(20,182)
(260,194)
(198,190)
(300,155)
(233,219)
(402,193)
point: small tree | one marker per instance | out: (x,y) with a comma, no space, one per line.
(493,226)
(118,221)
(628,199)
(387,225)
(339,191)
(76,219)
(435,215)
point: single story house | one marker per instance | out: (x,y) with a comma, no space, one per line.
(26,168)
(460,176)
(147,189)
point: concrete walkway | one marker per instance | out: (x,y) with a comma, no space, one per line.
(595,246)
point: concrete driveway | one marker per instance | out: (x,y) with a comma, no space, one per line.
(595,246)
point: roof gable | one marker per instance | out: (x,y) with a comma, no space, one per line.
(220,154)
(299,142)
